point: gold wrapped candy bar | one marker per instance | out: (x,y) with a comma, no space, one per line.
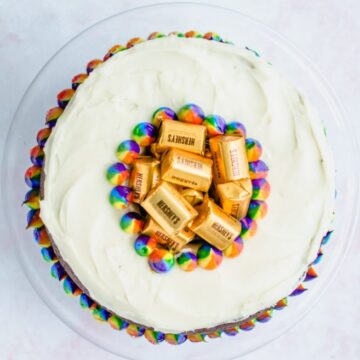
(179,135)
(151,228)
(230,160)
(194,197)
(187,169)
(141,178)
(215,226)
(168,208)
(208,154)
(156,176)
(218,165)
(154,151)
(181,239)
(235,197)
(174,242)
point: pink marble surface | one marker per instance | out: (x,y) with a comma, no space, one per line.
(30,32)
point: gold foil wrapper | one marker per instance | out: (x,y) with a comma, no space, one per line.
(218,164)
(230,160)
(156,175)
(141,178)
(235,197)
(152,229)
(181,239)
(168,208)
(208,154)
(174,242)
(194,197)
(215,226)
(187,169)
(154,151)
(179,135)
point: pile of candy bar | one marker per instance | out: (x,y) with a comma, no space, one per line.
(192,179)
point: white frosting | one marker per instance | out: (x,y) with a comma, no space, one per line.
(221,79)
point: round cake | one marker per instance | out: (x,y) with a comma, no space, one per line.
(84,228)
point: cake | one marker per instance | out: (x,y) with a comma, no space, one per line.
(176,298)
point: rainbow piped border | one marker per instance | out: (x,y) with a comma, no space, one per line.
(32,200)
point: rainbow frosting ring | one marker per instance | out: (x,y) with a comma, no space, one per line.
(133,222)
(144,134)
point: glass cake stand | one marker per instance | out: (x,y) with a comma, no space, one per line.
(93,43)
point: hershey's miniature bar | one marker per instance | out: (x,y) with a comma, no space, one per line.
(179,135)
(152,229)
(181,239)
(214,225)
(168,208)
(187,169)
(141,178)
(230,160)
(235,197)
(218,169)
(174,242)
(156,175)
